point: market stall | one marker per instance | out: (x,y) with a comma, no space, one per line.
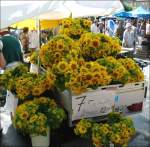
(78,78)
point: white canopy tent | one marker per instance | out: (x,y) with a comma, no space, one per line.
(93,8)
(15,11)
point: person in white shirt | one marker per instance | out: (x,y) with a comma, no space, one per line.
(129,37)
(33,40)
(94,27)
(148,27)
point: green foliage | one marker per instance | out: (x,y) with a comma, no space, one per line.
(127,6)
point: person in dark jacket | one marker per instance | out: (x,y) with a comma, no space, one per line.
(11,49)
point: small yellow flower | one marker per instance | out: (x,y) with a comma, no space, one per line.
(24,115)
(82,130)
(115,138)
(73,65)
(62,66)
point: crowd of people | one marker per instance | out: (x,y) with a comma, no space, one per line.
(128,31)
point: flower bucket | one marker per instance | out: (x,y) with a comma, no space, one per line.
(11,102)
(40,141)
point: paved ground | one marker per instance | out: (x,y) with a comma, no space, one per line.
(65,136)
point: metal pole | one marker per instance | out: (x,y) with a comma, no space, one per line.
(38,30)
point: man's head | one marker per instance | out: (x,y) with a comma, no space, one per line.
(128,26)
(25,30)
(96,21)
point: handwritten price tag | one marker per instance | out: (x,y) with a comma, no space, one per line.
(94,103)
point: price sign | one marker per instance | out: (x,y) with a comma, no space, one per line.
(93,103)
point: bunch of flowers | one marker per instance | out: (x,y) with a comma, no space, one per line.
(122,128)
(100,134)
(59,47)
(117,71)
(94,46)
(83,128)
(79,76)
(35,117)
(31,84)
(7,79)
(135,73)
(74,28)
(119,130)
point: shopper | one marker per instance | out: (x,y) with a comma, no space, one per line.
(11,50)
(128,36)
(33,40)
(24,37)
(101,27)
(134,28)
(143,28)
(119,30)
(110,28)
(148,27)
(94,27)
(2,60)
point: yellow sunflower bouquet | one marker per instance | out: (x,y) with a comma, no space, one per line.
(7,79)
(135,73)
(57,48)
(79,77)
(29,84)
(94,46)
(74,28)
(117,71)
(35,117)
(118,130)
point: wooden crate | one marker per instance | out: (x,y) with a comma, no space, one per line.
(129,94)
(91,104)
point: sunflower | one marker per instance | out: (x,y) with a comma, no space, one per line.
(115,138)
(33,118)
(88,76)
(52,103)
(95,43)
(96,141)
(62,66)
(37,90)
(88,124)
(82,130)
(73,65)
(57,55)
(24,115)
(60,44)
(88,65)
(79,31)
(83,69)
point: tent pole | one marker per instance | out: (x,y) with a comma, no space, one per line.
(38,32)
